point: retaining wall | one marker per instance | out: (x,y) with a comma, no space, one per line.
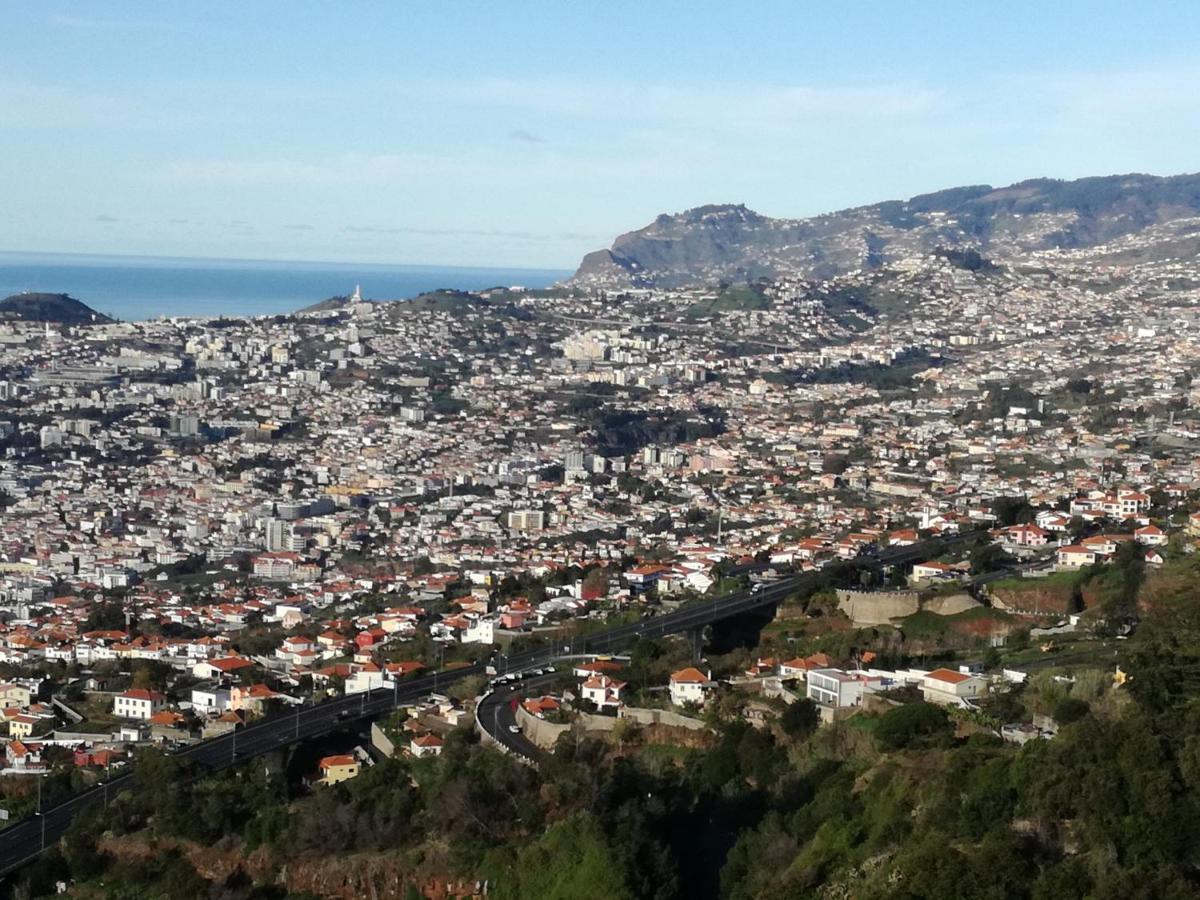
(660,717)
(877,607)
(381,741)
(541,732)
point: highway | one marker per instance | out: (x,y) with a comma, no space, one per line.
(22,841)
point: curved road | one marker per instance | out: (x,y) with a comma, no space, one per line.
(497,716)
(24,840)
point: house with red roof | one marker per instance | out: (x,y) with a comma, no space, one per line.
(950,687)
(426,745)
(138,703)
(1151,535)
(221,666)
(101,757)
(24,756)
(539,706)
(1075,556)
(800,667)
(335,769)
(603,691)
(689,685)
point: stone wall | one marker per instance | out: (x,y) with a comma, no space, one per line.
(541,732)
(660,717)
(951,604)
(381,741)
(877,607)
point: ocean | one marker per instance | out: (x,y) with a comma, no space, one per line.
(133,288)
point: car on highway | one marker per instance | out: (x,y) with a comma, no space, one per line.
(549,668)
(515,729)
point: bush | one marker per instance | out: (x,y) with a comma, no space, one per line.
(1070,710)
(912,725)
(800,719)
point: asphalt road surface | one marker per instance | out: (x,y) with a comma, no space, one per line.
(497,716)
(22,841)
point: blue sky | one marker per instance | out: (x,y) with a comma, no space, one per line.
(527,133)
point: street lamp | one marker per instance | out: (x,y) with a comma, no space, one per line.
(41,815)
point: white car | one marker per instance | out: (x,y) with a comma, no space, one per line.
(515,729)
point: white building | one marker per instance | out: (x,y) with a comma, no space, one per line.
(210,700)
(689,686)
(603,691)
(838,689)
(481,631)
(952,688)
(138,703)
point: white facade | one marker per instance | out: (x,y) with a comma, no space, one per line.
(138,704)
(833,687)
(210,700)
(950,688)
(689,686)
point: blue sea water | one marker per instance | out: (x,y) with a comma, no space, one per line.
(133,288)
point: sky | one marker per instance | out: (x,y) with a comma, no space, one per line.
(526,134)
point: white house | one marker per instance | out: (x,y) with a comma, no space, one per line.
(1151,535)
(481,631)
(1075,556)
(369,678)
(689,686)
(800,667)
(603,691)
(951,688)
(838,689)
(932,571)
(210,699)
(425,745)
(138,703)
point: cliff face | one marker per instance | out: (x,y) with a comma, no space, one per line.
(733,243)
(346,877)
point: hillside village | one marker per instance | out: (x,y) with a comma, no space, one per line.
(205,522)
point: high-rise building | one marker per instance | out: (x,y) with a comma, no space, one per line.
(573,461)
(278,535)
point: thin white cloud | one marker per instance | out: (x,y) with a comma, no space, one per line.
(348,168)
(699,105)
(89,23)
(1140,93)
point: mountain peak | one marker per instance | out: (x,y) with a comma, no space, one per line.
(731,242)
(711,212)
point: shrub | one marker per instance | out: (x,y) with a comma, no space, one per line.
(911,725)
(1070,710)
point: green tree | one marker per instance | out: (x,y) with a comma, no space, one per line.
(1070,709)
(571,861)
(912,725)
(800,719)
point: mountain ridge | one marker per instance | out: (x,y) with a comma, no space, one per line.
(731,242)
(49,307)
